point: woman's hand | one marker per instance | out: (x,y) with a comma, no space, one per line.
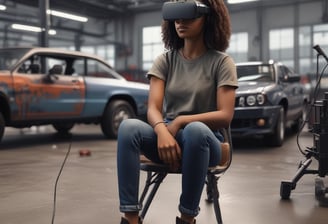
(168,148)
(175,125)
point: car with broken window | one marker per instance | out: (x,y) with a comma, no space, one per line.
(48,86)
(269,99)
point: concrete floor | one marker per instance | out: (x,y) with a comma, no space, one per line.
(30,161)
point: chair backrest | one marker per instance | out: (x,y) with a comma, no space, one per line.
(226,132)
(56,69)
(69,71)
(227,138)
(34,68)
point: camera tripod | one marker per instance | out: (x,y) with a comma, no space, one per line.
(319,151)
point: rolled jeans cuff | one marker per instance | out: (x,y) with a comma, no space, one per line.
(189,212)
(130,208)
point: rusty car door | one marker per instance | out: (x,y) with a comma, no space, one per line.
(48,96)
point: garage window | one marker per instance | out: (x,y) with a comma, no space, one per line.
(282,45)
(238,47)
(152,45)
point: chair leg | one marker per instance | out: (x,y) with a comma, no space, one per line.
(155,179)
(213,195)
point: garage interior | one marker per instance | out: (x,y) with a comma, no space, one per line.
(285,30)
(31,159)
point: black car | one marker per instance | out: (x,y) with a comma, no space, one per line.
(269,99)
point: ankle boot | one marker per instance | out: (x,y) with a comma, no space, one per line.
(180,221)
(124,221)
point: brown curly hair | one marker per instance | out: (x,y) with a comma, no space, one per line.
(217,28)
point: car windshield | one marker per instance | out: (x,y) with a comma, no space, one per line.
(9,57)
(258,73)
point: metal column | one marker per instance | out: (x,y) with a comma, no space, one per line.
(44,23)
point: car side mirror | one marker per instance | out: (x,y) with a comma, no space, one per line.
(289,78)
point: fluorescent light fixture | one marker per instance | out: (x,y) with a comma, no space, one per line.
(31,28)
(240,1)
(52,32)
(3,7)
(67,15)
(26,28)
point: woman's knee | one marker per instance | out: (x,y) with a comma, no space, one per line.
(196,130)
(129,127)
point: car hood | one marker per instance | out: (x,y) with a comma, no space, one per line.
(254,87)
(120,83)
(137,85)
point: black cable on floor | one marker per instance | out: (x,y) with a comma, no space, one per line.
(56,183)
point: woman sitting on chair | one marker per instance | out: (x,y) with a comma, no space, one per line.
(192,95)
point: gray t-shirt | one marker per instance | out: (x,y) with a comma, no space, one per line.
(191,85)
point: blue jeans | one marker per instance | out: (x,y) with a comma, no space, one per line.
(200,149)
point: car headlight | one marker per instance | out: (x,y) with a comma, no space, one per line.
(252,100)
(241,102)
(260,99)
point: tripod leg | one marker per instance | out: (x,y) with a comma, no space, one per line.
(286,187)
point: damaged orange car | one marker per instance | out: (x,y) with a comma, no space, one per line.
(45,86)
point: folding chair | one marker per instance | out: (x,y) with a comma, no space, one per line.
(157,172)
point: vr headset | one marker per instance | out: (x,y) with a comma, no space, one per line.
(184,9)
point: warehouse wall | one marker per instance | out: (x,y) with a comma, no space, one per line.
(133,35)
(126,32)
(254,21)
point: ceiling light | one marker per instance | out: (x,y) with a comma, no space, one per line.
(3,7)
(240,1)
(31,28)
(67,15)
(25,27)
(52,32)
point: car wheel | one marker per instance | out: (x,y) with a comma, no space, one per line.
(115,113)
(2,125)
(277,138)
(63,128)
